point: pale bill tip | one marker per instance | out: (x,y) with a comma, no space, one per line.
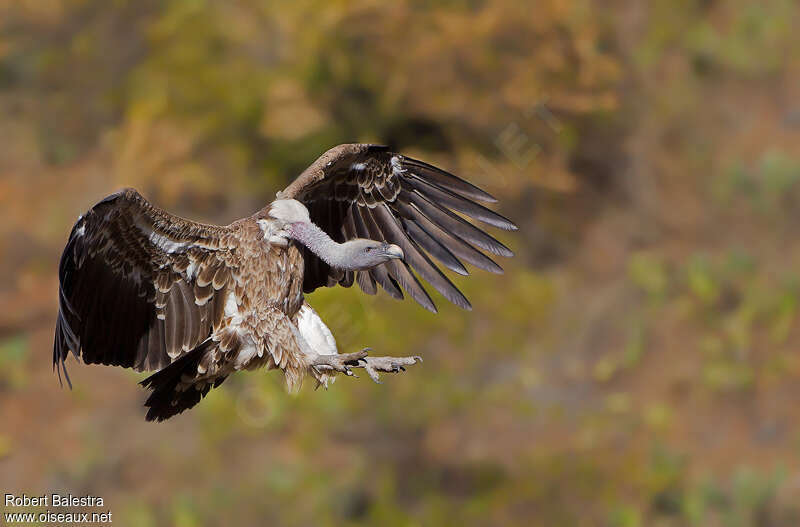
(394,251)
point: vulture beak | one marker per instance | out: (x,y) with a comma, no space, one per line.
(394,251)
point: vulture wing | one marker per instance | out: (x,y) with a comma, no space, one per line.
(367,191)
(138,286)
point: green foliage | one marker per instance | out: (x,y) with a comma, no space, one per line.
(648,273)
(754,41)
(5,446)
(769,186)
(13,362)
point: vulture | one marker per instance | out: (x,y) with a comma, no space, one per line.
(141,288)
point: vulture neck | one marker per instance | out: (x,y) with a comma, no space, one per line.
(332,253)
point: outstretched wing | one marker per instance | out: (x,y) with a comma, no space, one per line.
(139,286)
(367,191)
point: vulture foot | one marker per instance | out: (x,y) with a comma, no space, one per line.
(373,365)
(339,363)
(346,362)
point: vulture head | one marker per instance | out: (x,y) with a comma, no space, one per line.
(360,254)
(290,219)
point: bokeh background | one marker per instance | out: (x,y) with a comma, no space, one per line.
(637,364)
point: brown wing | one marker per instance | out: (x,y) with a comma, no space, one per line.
(367,191)
(139,286)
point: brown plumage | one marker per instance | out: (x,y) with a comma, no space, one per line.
(143,289)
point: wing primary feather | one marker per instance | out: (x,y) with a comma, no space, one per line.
(366,282)
(459,247)
(447,180)
(433,247)
(398,270)
(454,224)
(417,259)
(347,279)
(456,202)
(401,274)
(62,339)
(380,274)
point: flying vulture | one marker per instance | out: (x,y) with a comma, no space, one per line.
(143,289)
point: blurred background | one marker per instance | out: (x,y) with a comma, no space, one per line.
(638,362)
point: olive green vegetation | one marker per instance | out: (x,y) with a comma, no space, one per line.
(638,362)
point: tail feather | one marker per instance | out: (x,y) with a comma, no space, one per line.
(170,395)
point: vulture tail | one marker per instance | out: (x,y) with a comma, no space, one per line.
(173,391)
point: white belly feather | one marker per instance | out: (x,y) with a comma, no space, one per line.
(315,332)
